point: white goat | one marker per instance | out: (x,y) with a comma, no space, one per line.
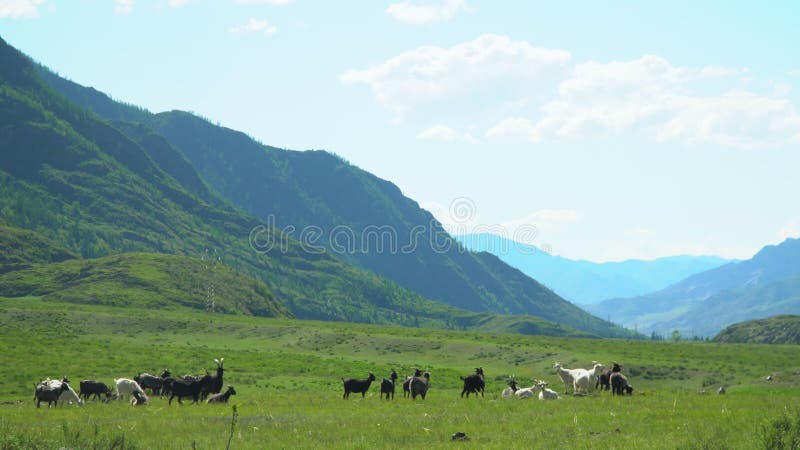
(528,392)
(567,376)
(546,393)
(67,396)
(584,380)
(126,387)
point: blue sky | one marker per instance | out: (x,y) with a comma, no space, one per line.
(617,130)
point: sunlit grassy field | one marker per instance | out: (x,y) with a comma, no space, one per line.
(288,378)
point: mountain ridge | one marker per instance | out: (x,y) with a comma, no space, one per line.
(91,186)
(680,306)
(316,188)
(586,282)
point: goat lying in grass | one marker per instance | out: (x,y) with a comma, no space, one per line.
(511,389)
(222,397)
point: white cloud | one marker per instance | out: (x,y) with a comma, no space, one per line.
(428,74)
(652,96)
(20,9)
(782,89)
(446,134)
(790,230)
(177,3)
(546,220)
(514,129)
(269,2)
(254,26)
(418,14)
(123,6)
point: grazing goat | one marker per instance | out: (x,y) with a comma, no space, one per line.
(619,384)
(96,388)
(511,389)
(139,399)
(126,387)
(187,388)
(419,385)
(357,385)
(223,397)
(387,385)
(44,393)
(68,395)
(474,383)
(407,382)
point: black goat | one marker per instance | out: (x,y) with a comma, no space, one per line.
(474,383)
(166,386)
(387,385)
(223,397)
(44,393)
(407,382)
(419,385)
(92,387)
(214,385)
(187,388)
(619,384)
(604,380)
(357,385)
(147,381)
(140,399)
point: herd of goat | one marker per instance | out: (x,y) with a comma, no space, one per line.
(208,387)
(581,381)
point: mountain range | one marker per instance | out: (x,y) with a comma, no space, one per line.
(586,282)
(768,284)
(98,178)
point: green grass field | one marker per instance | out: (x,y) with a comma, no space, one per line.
(287,375)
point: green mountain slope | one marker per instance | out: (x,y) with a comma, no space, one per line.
(145,280)
(358,217)
(774,330)
(362,219)
(19,249)
(86,184)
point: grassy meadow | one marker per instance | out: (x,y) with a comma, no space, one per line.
(287,375)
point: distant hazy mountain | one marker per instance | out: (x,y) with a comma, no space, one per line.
(587,282)
(702,304)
